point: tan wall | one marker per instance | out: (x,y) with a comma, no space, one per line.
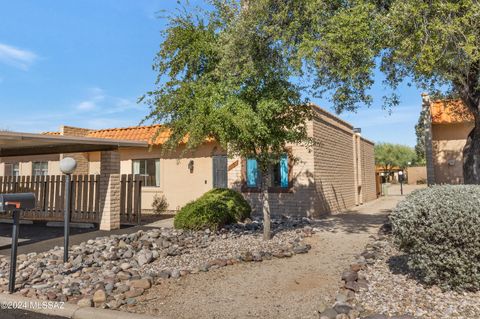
(368,171)
(416,174)
(334,163)
(26,163)
(324,177)
(448,143)
(300,201)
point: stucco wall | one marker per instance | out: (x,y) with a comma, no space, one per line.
(448,143)
(177,183)
(416,174)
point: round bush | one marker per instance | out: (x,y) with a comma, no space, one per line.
(439,229)
(213,210)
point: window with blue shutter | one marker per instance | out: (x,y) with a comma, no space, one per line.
(284,171)
(252,172)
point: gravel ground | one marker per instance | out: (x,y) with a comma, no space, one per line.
(392,291)
(294,287)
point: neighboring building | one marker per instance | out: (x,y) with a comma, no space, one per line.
(335,174)
(448,124)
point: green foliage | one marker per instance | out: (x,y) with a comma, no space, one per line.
(439,229)
(220,75)
(213,210)
(159,204)
(420,133)
(389,155)
(340,44)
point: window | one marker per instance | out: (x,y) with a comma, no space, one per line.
(278,173)
(149,170)
(15,169)
(40,168)
(12,169)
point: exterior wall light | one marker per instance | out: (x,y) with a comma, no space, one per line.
(191,165)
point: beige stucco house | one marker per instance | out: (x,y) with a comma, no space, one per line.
(448,124)
(335,174)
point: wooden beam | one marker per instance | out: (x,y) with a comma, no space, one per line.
(55,149)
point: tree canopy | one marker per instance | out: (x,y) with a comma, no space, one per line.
(390,155)
(222,76)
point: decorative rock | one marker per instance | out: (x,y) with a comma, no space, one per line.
(141,283)
(99,297)
(340,308)
(85,302)
(329,313)
(349,275)
(135,292)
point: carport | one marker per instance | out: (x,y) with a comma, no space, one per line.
(29,144)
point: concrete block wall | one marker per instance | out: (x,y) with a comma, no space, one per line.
(81,158)
(368,170)
(334,163)
(109,190)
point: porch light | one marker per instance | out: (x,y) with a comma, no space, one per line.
(191,165)
(67,166)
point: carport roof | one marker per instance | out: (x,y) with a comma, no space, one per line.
(20,144)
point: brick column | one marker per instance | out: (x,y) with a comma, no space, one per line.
(109,190)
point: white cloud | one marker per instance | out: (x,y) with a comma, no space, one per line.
(16,57)
(86,106)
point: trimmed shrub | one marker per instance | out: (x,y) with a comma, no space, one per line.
(439,229)
(213,210)
(159,204)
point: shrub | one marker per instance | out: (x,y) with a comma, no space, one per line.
(160,204)
(439,229)
(213,210)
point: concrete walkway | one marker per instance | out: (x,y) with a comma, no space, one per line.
(279,288)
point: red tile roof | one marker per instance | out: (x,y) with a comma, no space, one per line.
(152,134)
(449,112)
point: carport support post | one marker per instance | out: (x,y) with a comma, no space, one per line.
(13,252)
(109,190)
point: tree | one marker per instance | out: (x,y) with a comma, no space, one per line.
(388,156)
(420,133)
(221,76)
(340,45)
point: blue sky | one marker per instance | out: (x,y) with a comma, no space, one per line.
(85,63)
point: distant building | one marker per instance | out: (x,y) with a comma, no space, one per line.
(448,124)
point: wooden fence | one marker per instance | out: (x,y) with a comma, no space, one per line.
(50,195)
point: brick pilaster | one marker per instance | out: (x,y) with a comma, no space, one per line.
(109,190)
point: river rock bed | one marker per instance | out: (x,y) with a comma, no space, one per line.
(392,291)
(112,271)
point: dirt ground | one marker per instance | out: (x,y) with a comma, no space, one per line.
(279,288)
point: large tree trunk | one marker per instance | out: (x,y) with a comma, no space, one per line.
(265,207)
(471,155)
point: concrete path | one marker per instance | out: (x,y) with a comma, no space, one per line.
(280,288)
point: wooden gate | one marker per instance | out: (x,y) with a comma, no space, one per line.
(130,199)
(50,195)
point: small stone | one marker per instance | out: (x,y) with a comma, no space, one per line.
(345,309)
(329,313)
(376,316)
(99,297)
(135,292)
(141,283)
(85,302)
(349,275)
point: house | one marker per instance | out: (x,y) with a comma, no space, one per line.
(335,174)
(448,124)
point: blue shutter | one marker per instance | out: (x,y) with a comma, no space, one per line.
(284,171)
(252,172)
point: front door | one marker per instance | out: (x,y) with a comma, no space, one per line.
(220,171)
